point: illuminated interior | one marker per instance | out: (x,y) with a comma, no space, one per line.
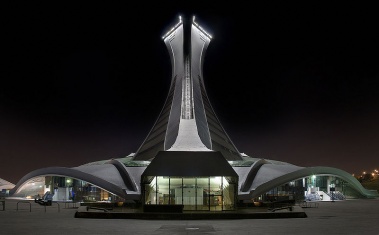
(194,193)
(64,189)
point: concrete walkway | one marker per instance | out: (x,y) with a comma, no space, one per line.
(341,217)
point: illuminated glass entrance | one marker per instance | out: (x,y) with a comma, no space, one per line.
(195,193)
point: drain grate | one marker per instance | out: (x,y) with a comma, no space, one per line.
(184,229)
(326,216)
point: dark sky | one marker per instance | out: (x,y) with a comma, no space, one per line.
(85,82)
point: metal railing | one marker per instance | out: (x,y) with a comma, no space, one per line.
(59,207)
(30,205)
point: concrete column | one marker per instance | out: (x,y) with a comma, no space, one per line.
(328,182)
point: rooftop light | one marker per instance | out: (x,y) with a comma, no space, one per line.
(201,29)
(173,28)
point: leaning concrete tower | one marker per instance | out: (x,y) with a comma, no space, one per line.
(187,121)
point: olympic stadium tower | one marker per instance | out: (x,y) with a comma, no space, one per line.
(187,157)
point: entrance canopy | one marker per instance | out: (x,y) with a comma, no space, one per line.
(180,163)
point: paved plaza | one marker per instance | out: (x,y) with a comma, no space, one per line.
(341,217)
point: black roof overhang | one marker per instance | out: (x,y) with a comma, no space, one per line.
(191,164)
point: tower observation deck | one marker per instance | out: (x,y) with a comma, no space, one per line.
(187,121)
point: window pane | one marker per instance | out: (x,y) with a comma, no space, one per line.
(189,193)
(203,193)
(215,198)
(176,190)
(228,195)
(150,192)
(163,189)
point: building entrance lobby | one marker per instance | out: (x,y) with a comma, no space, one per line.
(199,181)
(214,193)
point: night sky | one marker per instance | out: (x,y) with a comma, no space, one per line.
(85,82)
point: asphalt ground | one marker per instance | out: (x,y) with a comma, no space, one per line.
(359,216)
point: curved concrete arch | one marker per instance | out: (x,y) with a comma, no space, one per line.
(265,187)
(68,172)
(252,173)
(130,184)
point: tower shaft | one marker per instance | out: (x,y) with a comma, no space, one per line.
(187,121)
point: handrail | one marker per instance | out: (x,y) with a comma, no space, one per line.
(30,205)
(59,208)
